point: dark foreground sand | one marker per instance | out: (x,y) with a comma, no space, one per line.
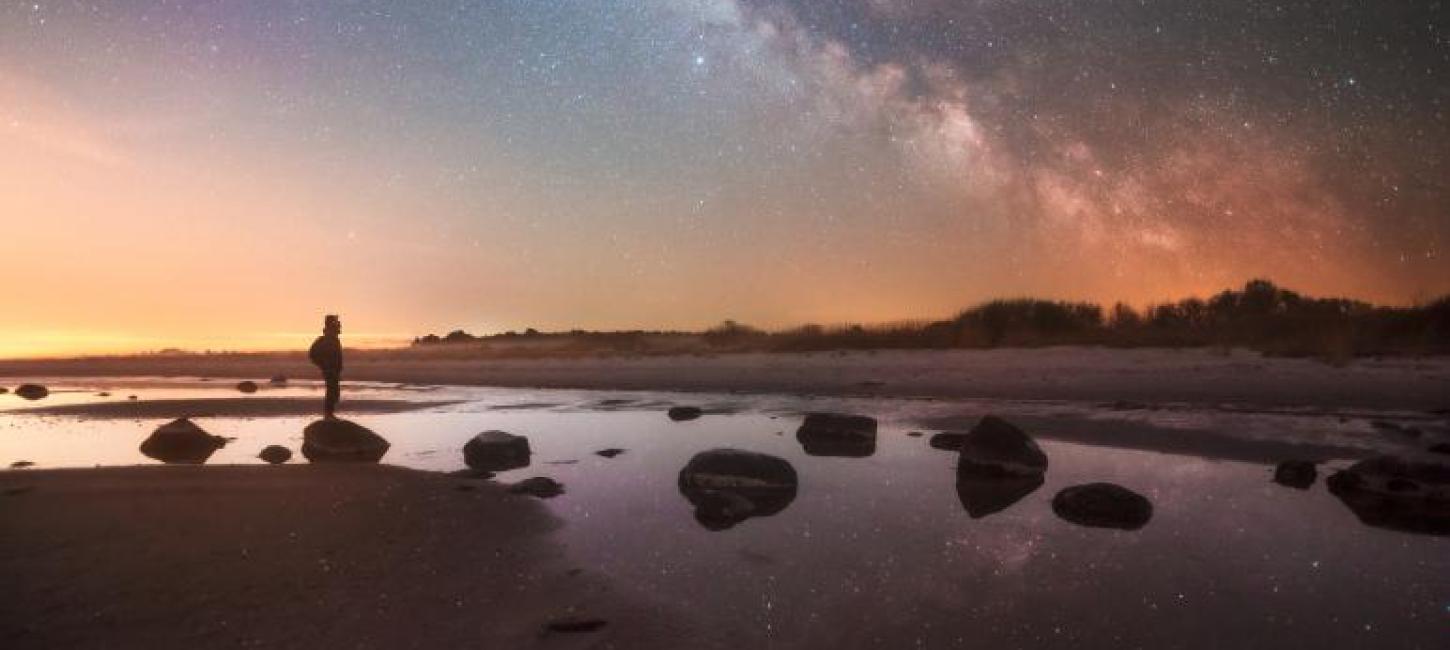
(292,556)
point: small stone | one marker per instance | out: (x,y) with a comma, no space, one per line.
(542,487)
(573,625)
(275,454)
(683,413)
(31,391)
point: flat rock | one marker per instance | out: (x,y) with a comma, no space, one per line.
(247,386)
(1103,505)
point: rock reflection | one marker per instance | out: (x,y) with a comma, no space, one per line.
(985,495)
(1397,494)
(728,486)
(834,434)
(181,441)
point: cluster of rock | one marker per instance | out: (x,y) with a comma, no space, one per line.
(1403,494)
(998,465)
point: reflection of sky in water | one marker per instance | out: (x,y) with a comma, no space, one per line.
(877,551)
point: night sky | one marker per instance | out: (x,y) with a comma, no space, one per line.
(221,173)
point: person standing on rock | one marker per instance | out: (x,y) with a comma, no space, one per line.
(326,354)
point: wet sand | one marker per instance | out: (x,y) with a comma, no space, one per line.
(232,407)
(292,556)
(1155,375)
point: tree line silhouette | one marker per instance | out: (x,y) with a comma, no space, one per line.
(1261,316)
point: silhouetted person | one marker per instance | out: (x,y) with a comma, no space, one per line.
(326,354)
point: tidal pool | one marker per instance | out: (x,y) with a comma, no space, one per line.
(878,549)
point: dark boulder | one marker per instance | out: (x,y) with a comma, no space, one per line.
(982,495)
(542,487)
(4,390)
(835,434)
(997,448)
(683,413)
(31,391)
(1296,474)
(1397,493)
(247,386)
(1103,505)
(609,453)
(947,441)
(496,451)
(342,441)
(181,441)
(728,486)
(275,454)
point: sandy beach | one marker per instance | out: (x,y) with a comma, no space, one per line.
(292,557)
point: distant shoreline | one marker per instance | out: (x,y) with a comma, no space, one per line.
(1202,376)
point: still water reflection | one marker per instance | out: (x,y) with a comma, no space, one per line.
(892,549)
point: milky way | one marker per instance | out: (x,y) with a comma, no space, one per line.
(674,162)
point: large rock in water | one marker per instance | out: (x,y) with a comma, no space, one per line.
(341,441)
(1103,505)
(1397,493)
(181,441)
(995,448)
(31,391)
(836,434)
(728,486)
(496,451)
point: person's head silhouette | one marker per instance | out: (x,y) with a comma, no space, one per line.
(331,326)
